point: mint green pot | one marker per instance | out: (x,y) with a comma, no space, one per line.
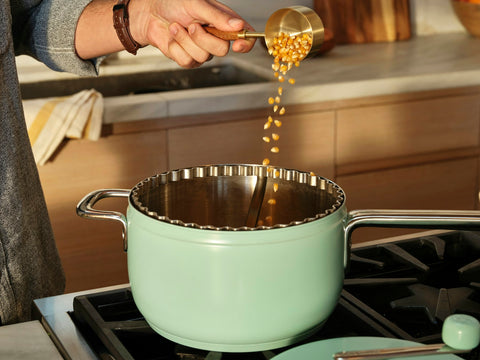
(237,288)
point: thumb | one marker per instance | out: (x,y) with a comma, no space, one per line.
(220,16)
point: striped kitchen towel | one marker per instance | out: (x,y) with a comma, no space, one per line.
(51,120)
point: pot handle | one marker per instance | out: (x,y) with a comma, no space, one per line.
(85,209)
(417,219)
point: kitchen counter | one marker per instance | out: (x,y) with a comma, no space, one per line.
(348,71)
(27,340)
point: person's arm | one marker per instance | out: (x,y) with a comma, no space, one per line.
(173,26)
(95,35)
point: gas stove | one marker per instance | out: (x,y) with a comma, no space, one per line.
(401,287)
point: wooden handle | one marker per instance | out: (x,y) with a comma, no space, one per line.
(225,35)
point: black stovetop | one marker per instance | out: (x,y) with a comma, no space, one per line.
(402,289)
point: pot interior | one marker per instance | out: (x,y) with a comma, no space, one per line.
(226,197)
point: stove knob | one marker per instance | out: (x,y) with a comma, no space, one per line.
(461,332)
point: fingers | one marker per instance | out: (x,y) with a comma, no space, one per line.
(176,30)
(207,42)
(193,46)
(218,15)
(236,23)
(163,37)
(184,49)
(222,17)
(243,46)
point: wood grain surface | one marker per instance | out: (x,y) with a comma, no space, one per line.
(365,21)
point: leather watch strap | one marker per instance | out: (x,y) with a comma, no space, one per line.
(121,24)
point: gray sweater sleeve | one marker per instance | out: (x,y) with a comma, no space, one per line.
(46,31)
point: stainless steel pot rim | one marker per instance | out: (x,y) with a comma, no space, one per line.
(302,177)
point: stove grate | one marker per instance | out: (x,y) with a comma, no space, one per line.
(400,290)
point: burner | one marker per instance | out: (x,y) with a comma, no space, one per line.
(403,289)
(127,336)
(113,318)
(438,303)
(416,283)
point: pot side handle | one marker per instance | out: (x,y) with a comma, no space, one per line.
(85,209)
(416,219)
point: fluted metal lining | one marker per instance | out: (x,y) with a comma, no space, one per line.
(217,197)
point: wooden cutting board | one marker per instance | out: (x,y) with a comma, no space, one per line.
(365,21)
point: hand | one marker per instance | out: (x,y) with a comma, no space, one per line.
(175,27)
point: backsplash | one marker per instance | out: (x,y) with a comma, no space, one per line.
(257,12)
(428,16)
(433,17)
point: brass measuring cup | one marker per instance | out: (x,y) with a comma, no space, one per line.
(293,20)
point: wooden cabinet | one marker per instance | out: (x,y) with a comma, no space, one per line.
(408,151)
(92,251)
(306,143)
(449,185)
(411,154)
(378,132)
